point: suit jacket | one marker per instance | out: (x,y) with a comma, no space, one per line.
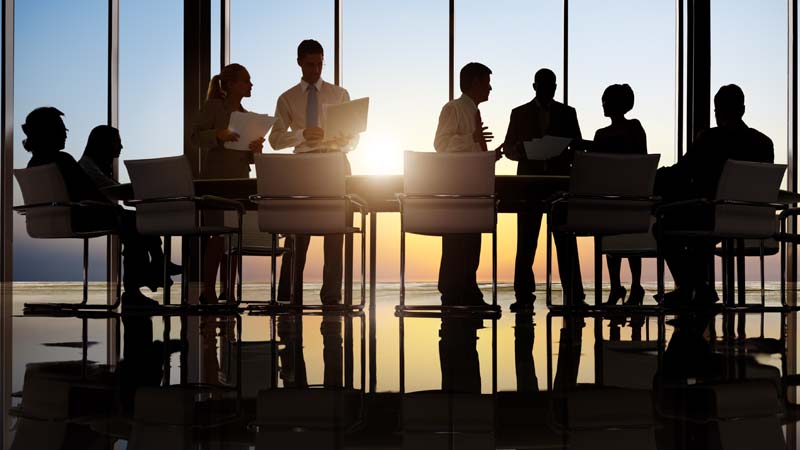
(524,125)
(698,172)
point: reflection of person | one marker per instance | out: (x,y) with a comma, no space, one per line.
(535,119)
(569,353)
(46,136)
(458,355)
(292,360)
(523,353)
(210,132)
(624,136)
(461,129)
(696,176)
(102,148)
(299,120)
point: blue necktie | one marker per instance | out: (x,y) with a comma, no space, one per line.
(312,117)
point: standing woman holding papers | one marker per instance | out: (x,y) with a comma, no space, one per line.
(210,132)
(625,136)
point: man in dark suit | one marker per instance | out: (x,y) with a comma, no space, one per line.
(535,119)
(696,176)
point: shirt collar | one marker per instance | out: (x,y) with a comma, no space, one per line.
(304,84)
(466,99)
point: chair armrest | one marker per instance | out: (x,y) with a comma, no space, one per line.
(789,212)
(682,203)
(258,198)
(359,202)
(23,209)
(748,203)
(401,197)
(214,202)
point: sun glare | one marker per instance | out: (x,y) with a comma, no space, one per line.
(377,154)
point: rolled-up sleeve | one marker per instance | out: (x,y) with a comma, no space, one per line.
(448,136)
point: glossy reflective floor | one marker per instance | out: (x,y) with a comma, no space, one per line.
(376,381)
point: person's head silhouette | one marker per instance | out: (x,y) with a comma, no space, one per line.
(729,104)
(544,83)
(44,131)
(310,58)
(104,144)
(474,81)
(232,81)
(617,100)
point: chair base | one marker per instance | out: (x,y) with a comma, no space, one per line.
(277,307)
(448,311)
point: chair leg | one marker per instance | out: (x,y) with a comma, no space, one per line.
(598,269)
(740,273)
(118,275)
(363,260)
(494,266)
(292,270)
(402,264)
(85,299)
(167,259)
(548,292)
(761,269)
(240,266)
(273,265)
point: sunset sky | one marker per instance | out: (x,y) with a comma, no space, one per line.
(396,54)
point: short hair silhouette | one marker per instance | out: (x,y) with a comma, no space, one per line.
(471,72)
(618,98)
(544,75)
(729,102)
(100,141)
(309,47)
(218,86)
(40,128)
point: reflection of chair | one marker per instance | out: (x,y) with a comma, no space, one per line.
(448,193)
(739,211)
(609,195)
(49,214)
(305,194)
(166,205)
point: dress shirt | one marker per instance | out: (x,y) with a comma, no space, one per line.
(544,114)
(290,113)
(456,126)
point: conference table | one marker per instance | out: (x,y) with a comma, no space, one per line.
(515,193)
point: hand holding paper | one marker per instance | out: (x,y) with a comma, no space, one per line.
(346,119)
(250,127)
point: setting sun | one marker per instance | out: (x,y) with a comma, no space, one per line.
(377,154)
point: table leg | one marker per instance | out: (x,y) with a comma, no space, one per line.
(373,251)
(348,269)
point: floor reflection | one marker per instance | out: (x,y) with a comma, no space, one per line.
(323,381)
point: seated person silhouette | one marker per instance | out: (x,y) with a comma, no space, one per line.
(696,176)
(103,146)
(45,139)
(535,119)
(628,137)
(461,129)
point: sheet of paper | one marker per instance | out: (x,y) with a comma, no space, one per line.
(546,148)
(346,119)
(250,126)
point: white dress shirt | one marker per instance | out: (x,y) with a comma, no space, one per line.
(456,126)
(290,113)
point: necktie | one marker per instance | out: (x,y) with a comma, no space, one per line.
(478,126)
(312,118)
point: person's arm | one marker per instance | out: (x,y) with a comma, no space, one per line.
(280,137)
(575,129)
(447,137)
(512,146)
(204,133)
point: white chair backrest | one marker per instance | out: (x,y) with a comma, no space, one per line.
(309,175)
(750,182)
(427,173)
(163,178)
(44,184)
(448,173)
(606,174)
(613,174)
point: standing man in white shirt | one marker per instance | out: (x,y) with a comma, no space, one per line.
(299,125)
(461,130)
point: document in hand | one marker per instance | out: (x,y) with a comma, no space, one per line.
(249,126)
(546,148)
(346,119)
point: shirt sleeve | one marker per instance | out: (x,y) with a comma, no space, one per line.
(448,139)
(280,137)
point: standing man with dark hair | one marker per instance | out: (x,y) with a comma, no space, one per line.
(299,125)
(461,130)
(535,119)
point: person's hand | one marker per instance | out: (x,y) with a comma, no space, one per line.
(313,134)
(482,135)
(257,145)
(226,135)
(498,153)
